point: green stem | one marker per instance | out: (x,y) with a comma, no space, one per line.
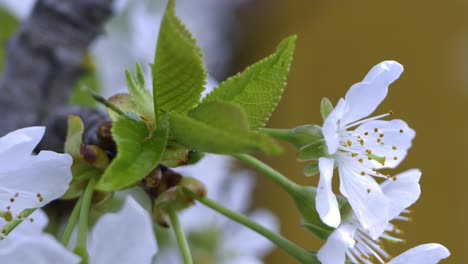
(71,223)
(299,253)
(285,183)
(106,103)
(283,134)
(180,236)
(14,223)
(81,240)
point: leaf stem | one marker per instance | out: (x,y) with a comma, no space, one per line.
(106,103)
(71,222)
(180,236)
(299,253)
(278,133)
(285,183)
(81,240)
(14,223)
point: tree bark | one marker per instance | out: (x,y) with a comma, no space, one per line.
(43,64)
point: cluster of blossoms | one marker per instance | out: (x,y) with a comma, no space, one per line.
(358,220)
(31,181)
(360,147)
(126,236)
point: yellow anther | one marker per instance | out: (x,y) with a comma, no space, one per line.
(361,160)
(349,143)
(354,155)
(8,216)
(366,133)
(376,130)
(381,135)
(394,147)
(368,190)
(363,173)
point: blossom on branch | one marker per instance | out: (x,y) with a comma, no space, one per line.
(353,242)
(29,181)
(359,153)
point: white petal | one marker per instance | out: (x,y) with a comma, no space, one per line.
(334,249)
(331,127)
(394,143)
(246,242)
(30,228)
(422,254)
(125,237)
(369,203)
(17,146)
(37,249)
(326,203)
(46,175)
(402,191)
(364,97)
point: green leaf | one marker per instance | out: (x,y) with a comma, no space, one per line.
(325,108)
(141,100)
(259,88)
(139,152)
(219,127)
(178,71)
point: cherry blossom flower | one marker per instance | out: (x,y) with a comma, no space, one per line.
(124,237)
(359,153)
(41,247)
(353,242)
(29,181)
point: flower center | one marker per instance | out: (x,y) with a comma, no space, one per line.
(372,146)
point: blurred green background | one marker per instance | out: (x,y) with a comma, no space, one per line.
(338,42)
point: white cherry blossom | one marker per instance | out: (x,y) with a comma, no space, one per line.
(29,244)
(350,241)
(124,237)
(30,181)
(359,148)
(430,253)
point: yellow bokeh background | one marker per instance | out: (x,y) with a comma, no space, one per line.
(338,42)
